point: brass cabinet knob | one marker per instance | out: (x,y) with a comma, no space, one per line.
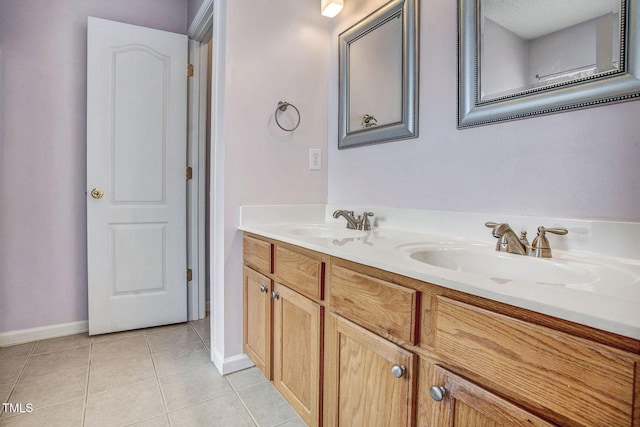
(398,371)
(437,393)
(97,193)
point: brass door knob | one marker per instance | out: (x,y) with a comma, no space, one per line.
(97,193)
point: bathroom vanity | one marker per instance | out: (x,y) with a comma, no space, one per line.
(392,342)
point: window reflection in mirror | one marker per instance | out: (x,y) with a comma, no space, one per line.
(536,44)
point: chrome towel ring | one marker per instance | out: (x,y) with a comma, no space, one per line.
(282,106)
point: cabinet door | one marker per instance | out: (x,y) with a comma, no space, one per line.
(257,319)
(375,378)
(297,351)
(466,404)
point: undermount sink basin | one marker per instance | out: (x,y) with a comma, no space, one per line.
(325,231)
(507,267)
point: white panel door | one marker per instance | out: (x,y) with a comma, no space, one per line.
(136,159)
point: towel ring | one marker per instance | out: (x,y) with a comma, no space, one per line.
(282,106)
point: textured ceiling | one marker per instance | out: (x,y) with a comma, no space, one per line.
(531,19)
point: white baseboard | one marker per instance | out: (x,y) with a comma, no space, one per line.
(43,333)
(231,364)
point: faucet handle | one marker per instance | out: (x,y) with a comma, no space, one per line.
(499,228)
(540,247)
(558,230)
(366,225)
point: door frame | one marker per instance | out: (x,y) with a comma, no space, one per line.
(200,32)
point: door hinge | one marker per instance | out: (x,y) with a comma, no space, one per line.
(189,275)
(189,173)
(190,70)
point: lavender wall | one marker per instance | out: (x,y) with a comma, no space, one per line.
(579,164)
(504,61)
(43,274)
(273,51)
(193,6)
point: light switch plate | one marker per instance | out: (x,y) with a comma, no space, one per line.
(315,159)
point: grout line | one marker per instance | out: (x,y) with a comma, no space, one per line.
(86,388)
(202,339)
(3,415)
(155,374)
(244,405)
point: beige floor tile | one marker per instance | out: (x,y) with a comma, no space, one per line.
(161,421)
(118,335)
(128,347)
(124,405)
(176,337)
(246,378)
(226,410)
(266,405)
(197,385)
(5,391)
(68,414)
(163,328)
(202,324)
(10,368)
(52,389)
(119,372)
(62,343)
(16,350)
(180,359)
(203,328)
(56,361)
(296,422)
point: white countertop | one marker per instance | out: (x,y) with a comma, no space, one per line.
(605,293)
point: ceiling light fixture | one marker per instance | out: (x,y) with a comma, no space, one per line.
(331,8)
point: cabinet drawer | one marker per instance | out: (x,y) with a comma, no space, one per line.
(553,372)
(257,253)
(300,272)
(380,306)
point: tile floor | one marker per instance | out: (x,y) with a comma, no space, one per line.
(149,377)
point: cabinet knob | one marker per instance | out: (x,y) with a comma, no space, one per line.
(437,393)
(275,295)
(263,288)
(398,371)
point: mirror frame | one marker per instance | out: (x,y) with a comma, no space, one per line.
(407,127)
(623,85)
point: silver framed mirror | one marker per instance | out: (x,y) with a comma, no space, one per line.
(378,87)
(552,56)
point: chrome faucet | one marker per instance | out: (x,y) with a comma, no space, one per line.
(360,222)
(509,242)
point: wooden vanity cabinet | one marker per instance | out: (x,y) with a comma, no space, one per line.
(257,319)
(567,379)
(466,404)
(373,379)
(486,368)
(284,324)
(298,324)
(257,285)
(396,351)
